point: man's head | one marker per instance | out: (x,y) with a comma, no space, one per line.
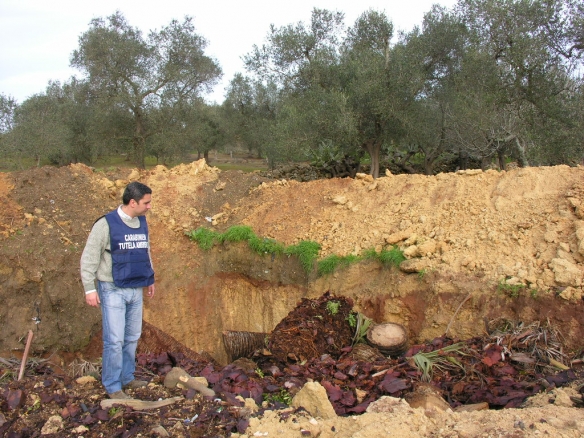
(137,198)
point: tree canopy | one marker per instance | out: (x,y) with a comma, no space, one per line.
(482,83)
(146,78)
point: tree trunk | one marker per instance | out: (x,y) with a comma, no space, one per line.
(501,159)
(139,141)
(373,148)
(428,165)
(389,338)
(521,156)
(462,159)
(206,156)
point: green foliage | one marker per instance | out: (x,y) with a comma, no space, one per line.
(306,251)
(331,263)
(7,376)
(332,307)
(265,245)
(115,410)
(204,237)
(237,233)
(392,257)
(511,290)
(141,83)
(282,397)
(361,324)
(259,372)
(426,362)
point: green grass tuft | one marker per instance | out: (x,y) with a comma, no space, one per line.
(391,257)
(265,246)
(306,251)
(237,233)
(511,290)
(204,237)
(331,263)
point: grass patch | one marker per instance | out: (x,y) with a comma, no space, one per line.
(265,245)
(237,233)
(306,251)
(511,290)
(204,237)
(331,263)
(283,397)
(387,257)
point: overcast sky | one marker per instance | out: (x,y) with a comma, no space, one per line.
(37,37)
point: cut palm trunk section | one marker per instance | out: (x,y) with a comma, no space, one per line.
(389,338)
(242,344)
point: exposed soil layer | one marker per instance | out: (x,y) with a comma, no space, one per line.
(479,246)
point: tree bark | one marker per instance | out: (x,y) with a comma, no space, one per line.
(373,148)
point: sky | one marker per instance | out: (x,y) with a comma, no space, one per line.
(38,37)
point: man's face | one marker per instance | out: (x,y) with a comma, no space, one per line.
(141,208)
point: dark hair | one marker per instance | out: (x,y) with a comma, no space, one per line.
(135,191)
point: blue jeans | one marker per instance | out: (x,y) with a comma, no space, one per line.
(121,314)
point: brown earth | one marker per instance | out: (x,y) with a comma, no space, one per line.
(480,246)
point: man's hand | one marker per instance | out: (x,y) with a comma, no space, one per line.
(150,292)
(92,299)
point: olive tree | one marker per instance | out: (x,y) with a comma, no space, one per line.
(139,75)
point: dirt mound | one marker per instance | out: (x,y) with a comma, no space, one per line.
(313,328)
(479,245)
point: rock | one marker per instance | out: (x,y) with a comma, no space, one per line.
(411,251)
(472,407)
(365,177)
(80,430)
(571,294)
(580,237)
(390,405)
(250,404)
(220,186)
(53,425)
(566,273)
(426,248)
(394,238)
(340,200)
(314,399)
(15,398)
(159,431)
(359,393)
(428,397)
(562,397)
(85,379)
(412,266)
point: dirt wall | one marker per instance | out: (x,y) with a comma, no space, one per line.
(480,245)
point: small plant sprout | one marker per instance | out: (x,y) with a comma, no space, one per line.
(281,397)
(512,290)
(361,324)
(333,307)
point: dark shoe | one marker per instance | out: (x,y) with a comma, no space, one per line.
(135,384)
(119,395)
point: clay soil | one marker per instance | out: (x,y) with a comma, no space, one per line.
(480,245)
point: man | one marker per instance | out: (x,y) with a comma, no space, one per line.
(117,258)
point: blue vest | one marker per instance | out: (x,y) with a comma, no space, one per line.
(131,266)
